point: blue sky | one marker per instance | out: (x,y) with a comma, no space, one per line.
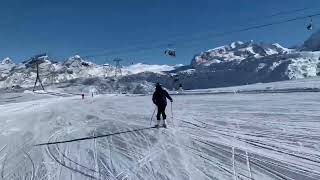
(123,28)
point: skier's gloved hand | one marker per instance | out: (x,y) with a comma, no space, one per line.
(171,100)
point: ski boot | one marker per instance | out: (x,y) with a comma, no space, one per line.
(157,125)
(164,124)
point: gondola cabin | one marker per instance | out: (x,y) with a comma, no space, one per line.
(310,26)
(170,52)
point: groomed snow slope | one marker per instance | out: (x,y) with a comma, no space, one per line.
(232,136)
(311,84)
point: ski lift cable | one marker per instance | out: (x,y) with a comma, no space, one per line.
(211,35)
(95,137)
(136,50)
(222,34)
(281,13)
(263,25)
(162,45)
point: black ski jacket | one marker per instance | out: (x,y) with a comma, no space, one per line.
(160,96)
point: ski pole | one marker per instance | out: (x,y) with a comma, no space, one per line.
(172,115)
(152,115)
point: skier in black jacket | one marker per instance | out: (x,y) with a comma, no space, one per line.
(159,98)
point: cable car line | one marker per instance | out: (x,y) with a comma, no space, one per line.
(103,52)
(266,25)
(281,13)
(208,36)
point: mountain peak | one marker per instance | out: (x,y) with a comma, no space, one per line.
(236,44)
(237,51)
(6,60)
(77,57)
(77,61)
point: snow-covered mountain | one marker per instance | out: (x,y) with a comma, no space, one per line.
(235,64)
(246,63)
(239,63)
(5,67)
(53,72)
(237,51)
(6,61)
(139,68)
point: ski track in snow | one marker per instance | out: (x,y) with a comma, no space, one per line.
(224,136)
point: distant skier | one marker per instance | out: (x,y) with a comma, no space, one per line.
(180,88)
(159,98)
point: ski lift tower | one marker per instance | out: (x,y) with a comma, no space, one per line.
(36,59)
(107,68)
(118,67)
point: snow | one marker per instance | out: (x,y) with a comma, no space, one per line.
(280,47)
(5,67)
(211,136)
(249,49)
(275,65)
(271,51)
(138,68)
(71,69)
(306,66)
(6,60)
(300,85)
(217,48)
(261,66)
(237,51)
(235,44)
(77,57)
(255,62)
